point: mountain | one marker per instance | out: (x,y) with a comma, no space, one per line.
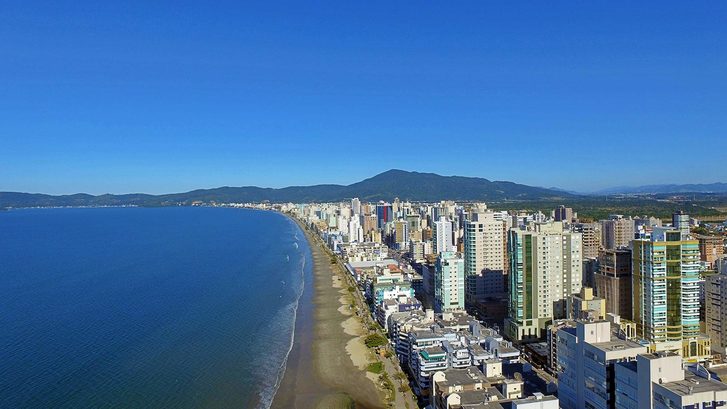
(668,188)
(429,187)
(405,185)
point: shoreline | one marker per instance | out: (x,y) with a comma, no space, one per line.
(326,366)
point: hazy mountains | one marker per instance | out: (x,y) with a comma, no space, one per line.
(665,189)
(405,185)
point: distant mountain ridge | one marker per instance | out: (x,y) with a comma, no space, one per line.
(414,186)
(718,187)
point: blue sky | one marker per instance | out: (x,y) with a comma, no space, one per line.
(171,96)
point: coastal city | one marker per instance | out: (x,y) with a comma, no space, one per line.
(503,309)
(363,205)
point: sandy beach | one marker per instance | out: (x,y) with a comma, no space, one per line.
(327,364)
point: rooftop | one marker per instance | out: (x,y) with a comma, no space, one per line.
(537,397)
(479,397)
(464,376)
(477,349)
(483,405)
(657,355)
(693,384)
(454,319)
(540,348)
(617,345)
(427,334)
(506,350)
(433,353)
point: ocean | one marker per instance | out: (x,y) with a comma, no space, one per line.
(177,307)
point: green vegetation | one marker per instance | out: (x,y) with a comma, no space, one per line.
(375,340)
(411,186)
(591,208)
(374,326)
(375,367)
(388,386)
(701,230)
(338,400)
(385,186)
(351,288)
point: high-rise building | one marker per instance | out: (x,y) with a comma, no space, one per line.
(545,268)
(370,223)
(485,241)
(711,249)
(613,281)
(563,214)
(414,221)
(666,290)
(415,235)
(617,231)
(355,231)
(449,280)
(356,206)
(586,358)
(442,239)
(384,214)
(680,221)
(401,233)
(419,249)
(715,314)
(591,238)
(720,265)
(590,268)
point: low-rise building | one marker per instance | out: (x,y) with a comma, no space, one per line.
(427,342)
(658,381)
(388,306)
(585,305)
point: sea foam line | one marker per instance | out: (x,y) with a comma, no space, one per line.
(268,394)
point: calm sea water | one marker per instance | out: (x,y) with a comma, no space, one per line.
(132,307)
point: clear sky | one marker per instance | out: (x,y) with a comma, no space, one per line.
(156,97)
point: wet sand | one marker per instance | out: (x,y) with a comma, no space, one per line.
(320,371)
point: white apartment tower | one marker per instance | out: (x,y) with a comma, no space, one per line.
(485,240)
(442,239)
(355,231)
(449,282)
(545,268)
(356,206)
